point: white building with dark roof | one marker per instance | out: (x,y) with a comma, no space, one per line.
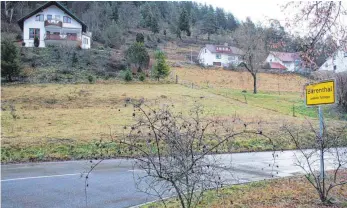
(336,63)
(219,55)
(54,24)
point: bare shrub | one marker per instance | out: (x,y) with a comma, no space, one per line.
(308,142)
(177,152)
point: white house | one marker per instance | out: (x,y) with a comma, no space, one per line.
(337,62)
(283,60)
(219,55)
(54,24)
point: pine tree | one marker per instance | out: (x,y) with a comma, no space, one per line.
(161,69)
(184,22)
(209,25)
(10,63)
(137,55)
(154,25)
(221,19)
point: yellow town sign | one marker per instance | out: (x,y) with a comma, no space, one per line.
(320,93)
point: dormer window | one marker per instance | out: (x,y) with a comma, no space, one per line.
(66,19)
(39,17)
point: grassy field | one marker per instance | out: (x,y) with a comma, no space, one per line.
(219,78)
(67,121)
(278,193)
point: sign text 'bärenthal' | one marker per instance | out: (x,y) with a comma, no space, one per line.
(320,93)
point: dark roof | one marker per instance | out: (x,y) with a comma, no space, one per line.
(229,49)
(50,3)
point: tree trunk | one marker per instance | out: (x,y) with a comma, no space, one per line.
(254,83)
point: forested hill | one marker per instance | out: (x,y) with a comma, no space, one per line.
(104,19)
(113,23)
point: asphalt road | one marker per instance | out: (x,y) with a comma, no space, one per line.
(59,184)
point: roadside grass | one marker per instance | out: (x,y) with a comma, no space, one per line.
(276,193)
(56,150)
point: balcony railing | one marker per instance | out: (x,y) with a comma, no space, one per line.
(61,37)
(53,23)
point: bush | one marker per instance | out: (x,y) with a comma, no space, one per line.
(113,36)
(341,79)
(128,76)
(36,42)
(137,55)
(19,37)
(142,77)
(10,63)
(140,38)
(91,79)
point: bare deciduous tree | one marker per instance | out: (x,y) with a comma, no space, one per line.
(176,152)
(251,40)
(322,20)
(309,146)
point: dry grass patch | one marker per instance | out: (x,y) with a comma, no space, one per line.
(219,78)
(279,193)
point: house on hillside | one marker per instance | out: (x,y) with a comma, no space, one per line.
(336,63)
(284,61)
(54,24)
(219,55)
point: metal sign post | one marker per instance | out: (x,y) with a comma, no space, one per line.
(321,93)
(321,142)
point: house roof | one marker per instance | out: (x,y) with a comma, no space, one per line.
(227,49)
(50,3)
(275,65)
(287,57)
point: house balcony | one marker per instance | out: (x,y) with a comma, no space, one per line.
(53,23)
(57,39)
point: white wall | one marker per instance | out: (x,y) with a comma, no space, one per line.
(86,45)
(207,58)
(32,23)
(340,62)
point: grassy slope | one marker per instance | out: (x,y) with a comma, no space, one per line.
(56,121)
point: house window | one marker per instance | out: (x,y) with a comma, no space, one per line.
(218,56)
(39,17)
(345,54)
(34,32)
(49,17)
(85,40)
(57,17)
(335,67)
(66,19)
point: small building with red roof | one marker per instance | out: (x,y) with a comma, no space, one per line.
(284,60)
